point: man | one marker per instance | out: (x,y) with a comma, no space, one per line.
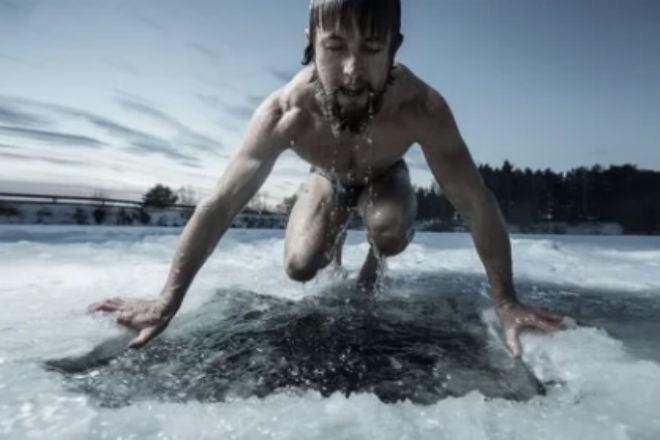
(352,113)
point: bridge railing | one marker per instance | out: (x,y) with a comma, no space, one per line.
(62,199)
(66,200)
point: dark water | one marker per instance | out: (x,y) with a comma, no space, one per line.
(246,344)
(427,345)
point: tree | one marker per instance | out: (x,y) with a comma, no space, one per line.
(287,203)
(80,216)
(258,203)
(187,195)
(159,196)
(99,214)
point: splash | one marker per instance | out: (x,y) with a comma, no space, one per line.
(245,344)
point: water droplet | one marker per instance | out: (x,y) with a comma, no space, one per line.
(371,105)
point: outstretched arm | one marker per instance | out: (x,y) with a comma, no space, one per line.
(455,171)
(213,215)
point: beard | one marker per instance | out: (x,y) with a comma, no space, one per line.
(353,119)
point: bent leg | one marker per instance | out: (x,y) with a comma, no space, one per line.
(314,224)
(388,207)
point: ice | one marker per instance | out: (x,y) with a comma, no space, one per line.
(601,377)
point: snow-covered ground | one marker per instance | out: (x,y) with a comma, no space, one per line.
(606,374)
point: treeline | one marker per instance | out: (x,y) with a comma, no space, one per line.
(621,194)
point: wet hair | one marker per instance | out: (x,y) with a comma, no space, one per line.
(374,17)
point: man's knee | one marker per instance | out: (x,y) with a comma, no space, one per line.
(389,234)
(391,243)
(299,268)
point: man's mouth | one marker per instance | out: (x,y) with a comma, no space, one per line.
(352,92)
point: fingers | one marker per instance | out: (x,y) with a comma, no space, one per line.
(108,305)
(144,336)
(536,321)
(125,318)
(545,325)
(513,333)
(547,314)
(513,341)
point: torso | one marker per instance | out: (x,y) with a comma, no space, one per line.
(354,158)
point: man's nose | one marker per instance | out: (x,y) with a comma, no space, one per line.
(353,68)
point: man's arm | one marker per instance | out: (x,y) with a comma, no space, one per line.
(246,172)
(455,171)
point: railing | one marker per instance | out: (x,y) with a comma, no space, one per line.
(58,199)
(55,199)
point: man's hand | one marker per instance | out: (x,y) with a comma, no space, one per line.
(514,317)
(148,317)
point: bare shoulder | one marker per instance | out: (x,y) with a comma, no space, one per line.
(416,97)
(282,114)
(295,102)
(425,110)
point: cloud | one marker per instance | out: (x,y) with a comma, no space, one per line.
(140,141)
(200,142)
(210,101)
(204,51)
(239,111)
(52,160)
(148,22)
(187,136)
(229,125)
(280,75)
(136,140)
(114,128)
(144,142)
(255,100)
(165,149)
(149,110)
(11,115)
(51,136)
(41,105)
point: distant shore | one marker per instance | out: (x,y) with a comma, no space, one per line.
(47,213)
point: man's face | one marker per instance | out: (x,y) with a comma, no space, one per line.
(352,69)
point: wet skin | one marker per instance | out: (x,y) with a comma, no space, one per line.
(350,69)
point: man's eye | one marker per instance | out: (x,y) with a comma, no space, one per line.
(373,49)
(335,48)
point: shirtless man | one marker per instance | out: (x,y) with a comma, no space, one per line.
(352,112)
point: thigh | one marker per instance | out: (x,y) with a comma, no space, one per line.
(316,219)
(388,204)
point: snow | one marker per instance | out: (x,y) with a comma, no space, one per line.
(603,377)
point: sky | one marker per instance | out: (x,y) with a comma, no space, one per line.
(111,97)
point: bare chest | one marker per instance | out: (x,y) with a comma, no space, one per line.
(353,158)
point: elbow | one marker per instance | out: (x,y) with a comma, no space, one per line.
(208,203)
(210,206)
